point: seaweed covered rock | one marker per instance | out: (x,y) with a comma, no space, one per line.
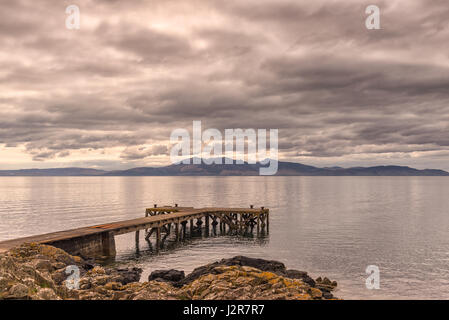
(245,283)
(33,271)
(172,275)
(29,272)
(261,264)
(42,272)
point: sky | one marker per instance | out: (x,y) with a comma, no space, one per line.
(109,94)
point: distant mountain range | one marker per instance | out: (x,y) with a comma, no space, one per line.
(284,169)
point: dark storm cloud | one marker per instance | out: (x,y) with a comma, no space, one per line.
(137,70)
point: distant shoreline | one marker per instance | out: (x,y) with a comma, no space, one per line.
(234,169)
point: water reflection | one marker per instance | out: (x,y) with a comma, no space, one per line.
(332,226)
(169,242)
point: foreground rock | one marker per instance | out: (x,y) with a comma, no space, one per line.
(171,276)
(41,272)
(261,264)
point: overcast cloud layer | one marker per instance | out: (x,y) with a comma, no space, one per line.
(108,95)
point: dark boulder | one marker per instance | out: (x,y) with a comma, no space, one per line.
(261,264)
(177,278)
(325,285)
(129,275)
(327,295)
(171,275)
(88,264)
(295,274)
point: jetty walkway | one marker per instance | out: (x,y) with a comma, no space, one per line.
(99,239)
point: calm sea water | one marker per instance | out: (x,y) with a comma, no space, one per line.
(331,226)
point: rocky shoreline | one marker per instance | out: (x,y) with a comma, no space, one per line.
(41,272)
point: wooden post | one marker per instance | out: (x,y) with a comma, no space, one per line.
(147,237)
(206,227)
(262,219)
(137,241)
(268,222)
(108,243)
(258,223)
(184,227)
(177,231)
(146,215)
(158,237)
